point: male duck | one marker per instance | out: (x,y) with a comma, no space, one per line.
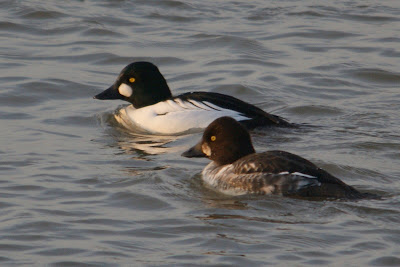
(236,168)
(155,110)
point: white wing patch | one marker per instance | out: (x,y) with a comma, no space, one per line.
(304,175)
(297,180)
(178,116)
(247,167)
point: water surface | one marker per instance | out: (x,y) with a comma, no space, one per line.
(77,189)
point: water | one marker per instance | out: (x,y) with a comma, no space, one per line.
(77,189)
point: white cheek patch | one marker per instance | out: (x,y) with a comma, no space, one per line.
(125,90)
(206,149)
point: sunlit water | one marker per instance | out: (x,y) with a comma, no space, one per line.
(76,188)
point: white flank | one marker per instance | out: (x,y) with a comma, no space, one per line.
(213,176)
(177,116)
(125,90)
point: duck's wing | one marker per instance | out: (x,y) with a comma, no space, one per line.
(297,176)
(257,116)
(275,162)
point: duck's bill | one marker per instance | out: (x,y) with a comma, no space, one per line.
(108,94)
(194,152)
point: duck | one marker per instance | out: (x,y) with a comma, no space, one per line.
(153,109)
(236,168)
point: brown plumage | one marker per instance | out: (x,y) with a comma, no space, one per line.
(237,169)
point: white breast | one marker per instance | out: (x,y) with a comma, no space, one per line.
(177,116)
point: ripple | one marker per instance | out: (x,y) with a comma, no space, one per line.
(4,205)
(247,46)
(123,61)
(75,264)
(13,247)
(37,30)
(60,252)
(172,18)
(82,121)
(40,14)
(173,4)
(118,22)
(386,261)
(105,222)
(15,116)
(102,33)
(137,201)
(251,62)
(267,13)
(12,27)
(375,246)
(308,13)
(35,92)
(376,75)
(25,237)
(315,111)
(370,18)
(313,34)
(391,52)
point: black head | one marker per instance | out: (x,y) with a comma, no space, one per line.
(139,83)
(224,141)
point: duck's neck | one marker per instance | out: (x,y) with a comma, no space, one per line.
(235,154)
(158,92)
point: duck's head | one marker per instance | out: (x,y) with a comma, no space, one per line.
(139,83)
(224,141)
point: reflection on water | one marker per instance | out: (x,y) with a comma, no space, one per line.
(79,188)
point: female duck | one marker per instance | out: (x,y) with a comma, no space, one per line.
(236,168)
(155,110)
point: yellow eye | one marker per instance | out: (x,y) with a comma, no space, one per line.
(131,80)
(213,138)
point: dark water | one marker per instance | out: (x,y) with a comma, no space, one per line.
(78,189)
